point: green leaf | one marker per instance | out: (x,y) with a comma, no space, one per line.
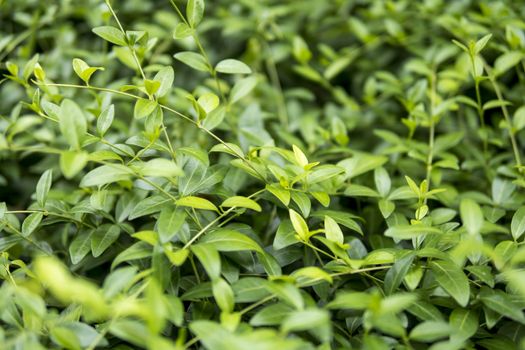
(382,181)
(165,77)
(182,30)
(300,50)
(148,206)
(300,157)
(271,315)
(452,279)
(194,12)
(308,319)
(170,222)
(79,247)
(351,300)
(111,34)
(517,225)
(144,107)
(66,338)
(194,60)
(151,86)
(72,162)
(299,225)
(209,258)
(506,61)
(208,101)
(464,324)
(232,66)
(105,119)
(332,230)
(72,123)
(106,174)
(242,88)
(481,43)
(31,223)
(132,331)
(410,231)
(196,203)
(226,240)
(3,209)
(83,70)
(242,202)
(361,163)
(501,303)
(282,194)
(223,294)
(160,167)
(311,275)
(103,237)
(430,331)
(397,273)
(177,257)
(471,215)
(43,186)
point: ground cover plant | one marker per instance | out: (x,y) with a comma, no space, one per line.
(236,174)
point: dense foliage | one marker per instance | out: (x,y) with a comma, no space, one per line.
(262,174)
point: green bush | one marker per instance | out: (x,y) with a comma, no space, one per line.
(237,174)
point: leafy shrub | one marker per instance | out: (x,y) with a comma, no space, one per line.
(262,174)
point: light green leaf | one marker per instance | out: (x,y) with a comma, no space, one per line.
(208,101)
(282,194)
(223,294)
(242,202)
(471,215)
(242,88)
(72,162)
(332,230)
(144,107)
(481,43)
(194,12)
(299,225)
(194,60)
(196,203)
(464,323)
(72,123)
(105,119)
(232,66)
(43,186)
(506,61)
(226,240)
(65,338)
(410,231)
(160,167)
(165,76)
(209,258)
(517,226)
(182,30)
(111,34)
(382,181)
(106,174)
(308,319)
(31,223)
(350,300)
(430,331)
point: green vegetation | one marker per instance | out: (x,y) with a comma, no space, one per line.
(262,174)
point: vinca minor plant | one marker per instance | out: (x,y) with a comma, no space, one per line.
(234,174)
